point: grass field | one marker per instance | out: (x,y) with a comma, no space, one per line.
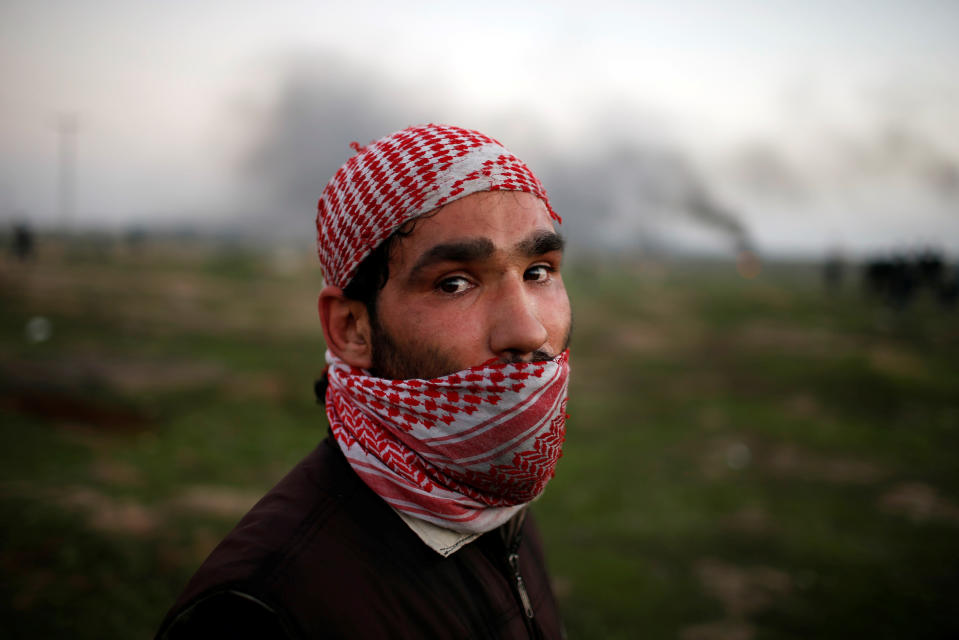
(745,458)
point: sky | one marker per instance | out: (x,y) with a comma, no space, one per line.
(795,128)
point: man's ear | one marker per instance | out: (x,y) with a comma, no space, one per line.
(346,327)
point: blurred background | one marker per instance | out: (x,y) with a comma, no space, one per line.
(762,205)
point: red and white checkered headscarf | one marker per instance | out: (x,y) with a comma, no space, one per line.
(401,177)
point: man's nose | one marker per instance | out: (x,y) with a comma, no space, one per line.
(516,329)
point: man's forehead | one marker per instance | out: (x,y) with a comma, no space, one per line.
(483,222)
(503,214)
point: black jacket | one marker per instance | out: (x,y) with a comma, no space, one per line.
(322,556)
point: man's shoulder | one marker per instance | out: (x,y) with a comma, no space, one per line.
(290,544)
(319,490)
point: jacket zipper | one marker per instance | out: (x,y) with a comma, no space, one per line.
(512,536)
(513,559)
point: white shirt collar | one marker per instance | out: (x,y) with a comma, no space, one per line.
(443,541)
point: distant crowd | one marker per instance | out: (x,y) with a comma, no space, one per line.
(898,278)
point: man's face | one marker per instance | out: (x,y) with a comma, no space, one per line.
(477,280)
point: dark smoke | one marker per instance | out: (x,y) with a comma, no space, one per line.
(624,195)
(324,104)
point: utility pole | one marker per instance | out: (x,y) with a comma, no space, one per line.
(67,169)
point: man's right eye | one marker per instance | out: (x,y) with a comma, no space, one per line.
(456,284)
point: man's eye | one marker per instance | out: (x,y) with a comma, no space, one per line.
(539,273)
(456,284)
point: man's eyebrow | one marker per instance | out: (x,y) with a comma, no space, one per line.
(541,243)
(460,251)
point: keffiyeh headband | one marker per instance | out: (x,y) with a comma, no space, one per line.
(402,176)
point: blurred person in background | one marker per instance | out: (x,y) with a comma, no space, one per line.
(446,323)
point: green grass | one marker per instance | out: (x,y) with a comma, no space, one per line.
(750,457)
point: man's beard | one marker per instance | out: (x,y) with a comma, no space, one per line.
(425,362)
(409,361)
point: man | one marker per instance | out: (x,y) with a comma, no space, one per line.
(446,323)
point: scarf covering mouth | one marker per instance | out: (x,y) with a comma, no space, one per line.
(464,451)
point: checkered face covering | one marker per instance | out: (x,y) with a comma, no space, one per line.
(402,176)
(464,451)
